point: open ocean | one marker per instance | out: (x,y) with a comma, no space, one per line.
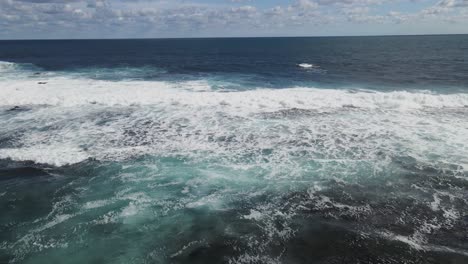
(255,150)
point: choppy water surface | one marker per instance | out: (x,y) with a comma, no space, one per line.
(204,151)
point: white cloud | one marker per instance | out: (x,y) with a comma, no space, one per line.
(306,4)
(162,18)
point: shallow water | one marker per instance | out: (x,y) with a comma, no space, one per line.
(216,159)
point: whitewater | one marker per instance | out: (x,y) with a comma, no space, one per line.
(171,170)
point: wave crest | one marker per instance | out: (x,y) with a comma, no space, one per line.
(74,92)
(7,66)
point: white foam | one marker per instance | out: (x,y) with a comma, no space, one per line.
(436,203)
(131,210)
(15,71)
(253,215)
(76,92)
(412,241)
(306,65)
(57,220)
(185,247)
(258,136)
(7,66)
(90,119)
(96,204)
(57,155)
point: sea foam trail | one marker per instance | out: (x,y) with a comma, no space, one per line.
(75,92)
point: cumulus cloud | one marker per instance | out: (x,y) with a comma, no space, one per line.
(306,4)
(162,18)
(453,3)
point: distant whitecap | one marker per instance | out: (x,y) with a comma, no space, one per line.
(306,65)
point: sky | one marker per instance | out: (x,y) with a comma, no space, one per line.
(71,19)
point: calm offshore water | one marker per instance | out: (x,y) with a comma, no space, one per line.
(261,150)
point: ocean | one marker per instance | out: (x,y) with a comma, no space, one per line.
(236,150)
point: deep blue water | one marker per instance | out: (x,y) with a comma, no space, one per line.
(255,150)
(408,62)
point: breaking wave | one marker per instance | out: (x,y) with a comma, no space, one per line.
(74,92)
(381,167)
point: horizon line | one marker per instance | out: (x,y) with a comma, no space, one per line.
(237,37)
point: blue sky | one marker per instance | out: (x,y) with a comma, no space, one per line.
(32,19)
